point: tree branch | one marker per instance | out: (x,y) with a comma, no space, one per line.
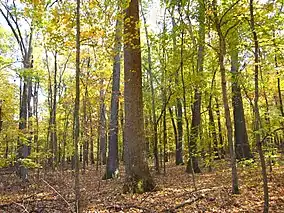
(228,10)
(187,202)
(230,28)
(14,32)
(17,28)
(68,204)
(164,108)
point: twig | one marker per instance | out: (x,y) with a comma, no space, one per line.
(187,202)
(29,199)
(68,204)
(22,206)
(124,207)
(201,192)
(271,134)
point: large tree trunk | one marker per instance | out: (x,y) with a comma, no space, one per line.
(256,110)
(241,137)
(138,178)
(112,161)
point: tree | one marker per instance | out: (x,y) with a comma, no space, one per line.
(138,178)
(221,55)
(76,110)
(179,128)
(196,114)
(241,137)
(25,103)
(153,96)
(112,161)
(102,125)
(256,109)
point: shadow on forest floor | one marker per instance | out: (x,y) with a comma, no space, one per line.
(53,192)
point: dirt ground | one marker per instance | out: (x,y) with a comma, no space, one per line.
(53,192)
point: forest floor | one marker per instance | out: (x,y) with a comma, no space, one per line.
(53,192)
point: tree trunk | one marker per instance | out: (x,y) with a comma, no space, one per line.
(23,151)
(92,157)
(153,96)
(112,161)
(85,133)
(53,134)
(76,111)
(121,115)
(102,126)
(221,55)
(26,53)
(35,103)
(138,178)
(241,138)
(212,126)
(196,115)
(179,148)
(221,142)
(175,130)
(164,96)
(65,133)
(256,110)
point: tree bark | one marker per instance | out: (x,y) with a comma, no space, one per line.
(241,137)
(26,53)
(53,135)
(212,126)
(179,146)
(221,56)
(76,111)
(175,130)
(138,178)
(153,96)
(112,161)
(85,133)
(102,126)
(220,134)
(196,115)
(256,109)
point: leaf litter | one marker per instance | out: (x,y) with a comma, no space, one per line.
(54,192)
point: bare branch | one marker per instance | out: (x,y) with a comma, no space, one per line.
(22,206)
(187,202)
(68,204)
